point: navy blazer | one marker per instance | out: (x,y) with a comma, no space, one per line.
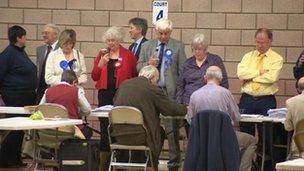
(212,143)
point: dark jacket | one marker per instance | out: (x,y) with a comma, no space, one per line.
(151,101)
(298,70)
(17,71)
(139,47)
(212,143)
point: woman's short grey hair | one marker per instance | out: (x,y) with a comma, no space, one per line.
(115,33)
(199,41)
(213,72)
(54,27)
(164,25)
(148,71)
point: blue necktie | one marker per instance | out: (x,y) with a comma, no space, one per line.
(160,55)
(134,48)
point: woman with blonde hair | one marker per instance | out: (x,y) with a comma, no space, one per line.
(65,58)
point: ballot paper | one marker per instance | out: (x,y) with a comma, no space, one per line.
(103,108)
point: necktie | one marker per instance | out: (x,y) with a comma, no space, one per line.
(42,85)
(134,48)
(160,55)
(259,65)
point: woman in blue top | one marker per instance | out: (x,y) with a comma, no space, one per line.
(191,77)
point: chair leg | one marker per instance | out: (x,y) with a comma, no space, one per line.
(111,160)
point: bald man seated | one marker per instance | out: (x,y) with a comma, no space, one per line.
(214,97)
(295,113)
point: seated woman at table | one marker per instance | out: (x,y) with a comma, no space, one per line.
(65,58)
(73,99)
(112,66)
(67,94)
(18,82)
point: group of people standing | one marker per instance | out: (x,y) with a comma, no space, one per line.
(167,82)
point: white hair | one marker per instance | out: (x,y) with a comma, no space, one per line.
(164,25)
(115,33)
(213,72)
(199,41)
(54,27)
(148,71)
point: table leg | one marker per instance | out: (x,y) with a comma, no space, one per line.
(56,146)
(34,162)
(271,144)
(264,146)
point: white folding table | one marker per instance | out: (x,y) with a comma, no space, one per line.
(13,110)
(264,120)
(296,164)
(25,123)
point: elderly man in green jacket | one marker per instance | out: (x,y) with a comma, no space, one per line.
(144,94)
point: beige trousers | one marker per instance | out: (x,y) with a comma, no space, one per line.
(247,144)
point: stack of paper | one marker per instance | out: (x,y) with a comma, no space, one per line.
(277,113)
(103,108)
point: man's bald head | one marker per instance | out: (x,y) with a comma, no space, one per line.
(301,83)
(214,73)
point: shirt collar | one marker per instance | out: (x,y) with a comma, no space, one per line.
(158,43)
(54,45)
(267,53)
(139,40)
(211,82)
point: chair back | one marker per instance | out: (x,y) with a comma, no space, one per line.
(212,143)
(127,131)
(126,115)
(47,137)
(52,110)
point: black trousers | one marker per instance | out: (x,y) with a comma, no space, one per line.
(260,105)
(10,152)
(105,97)
(255,105)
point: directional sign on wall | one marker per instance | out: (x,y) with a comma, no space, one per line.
(160,10)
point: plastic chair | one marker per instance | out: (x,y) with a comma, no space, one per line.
(50,139)
(125,115)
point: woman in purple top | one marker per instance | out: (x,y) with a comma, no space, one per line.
(191,76)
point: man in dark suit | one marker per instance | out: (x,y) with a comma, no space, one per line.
(137,29)
(168,55)
(155,102)
(50,35)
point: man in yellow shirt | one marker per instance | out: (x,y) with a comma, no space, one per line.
(259,72)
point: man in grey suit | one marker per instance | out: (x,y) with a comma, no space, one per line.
(50,35)
(168,55)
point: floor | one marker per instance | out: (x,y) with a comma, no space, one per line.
(162,167)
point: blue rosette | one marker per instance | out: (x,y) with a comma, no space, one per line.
(64,64)
(168,58)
